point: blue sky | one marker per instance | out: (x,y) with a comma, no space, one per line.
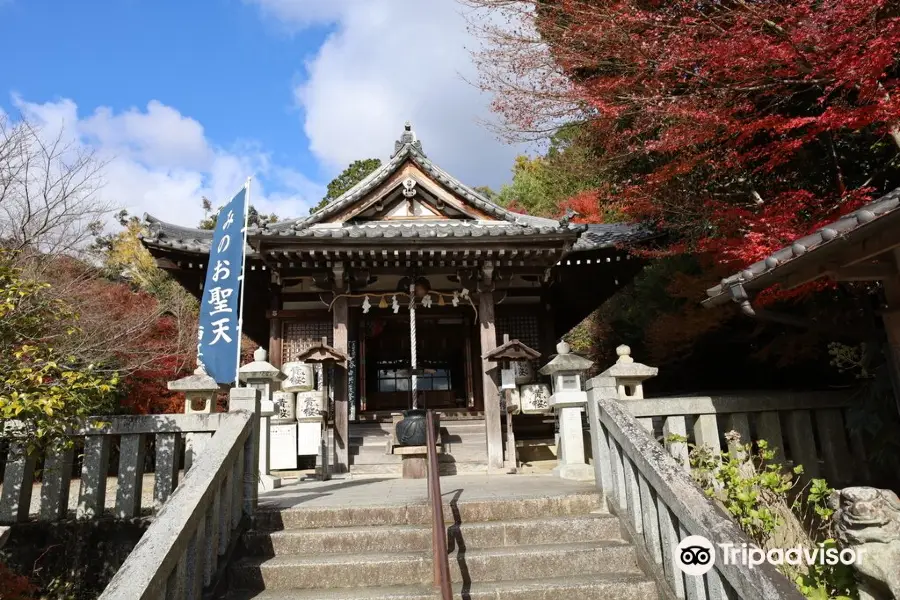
(188,98)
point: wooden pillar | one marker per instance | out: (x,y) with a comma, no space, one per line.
(491,395)
(341,407)
(275,339)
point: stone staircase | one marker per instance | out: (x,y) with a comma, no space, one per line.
(564,546)
(463,448)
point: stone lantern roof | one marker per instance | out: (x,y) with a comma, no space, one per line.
(260,368)
(565,361)
(626,368)
(199,382)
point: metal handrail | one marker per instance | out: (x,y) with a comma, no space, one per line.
(438,530)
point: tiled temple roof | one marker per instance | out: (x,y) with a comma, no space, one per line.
(768,271)
(591,237)
(508,223)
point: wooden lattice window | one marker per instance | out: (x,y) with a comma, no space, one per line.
(299,336)
(524,327)
(520,326)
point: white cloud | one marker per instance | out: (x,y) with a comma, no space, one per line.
(160,162)
(388,61)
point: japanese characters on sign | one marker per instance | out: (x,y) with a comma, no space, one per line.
(219,333)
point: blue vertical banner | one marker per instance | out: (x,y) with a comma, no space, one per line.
(219,335)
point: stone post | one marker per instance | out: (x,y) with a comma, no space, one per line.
(265,378)
(248,399)
(199,390)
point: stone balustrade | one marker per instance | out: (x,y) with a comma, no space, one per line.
(177,439)
(184,549)
(805,428)
(195,521)
(660,505)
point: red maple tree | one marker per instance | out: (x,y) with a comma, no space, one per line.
(735,125)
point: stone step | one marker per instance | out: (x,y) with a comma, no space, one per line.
(405,568)
(420,514)
(384,469)
(472,425)
(369,441)
(621,586)
(448,466)
(465,456)
(474,440)
(413,538)
(375,458)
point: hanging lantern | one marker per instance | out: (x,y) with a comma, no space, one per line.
(383,303)
(422,287)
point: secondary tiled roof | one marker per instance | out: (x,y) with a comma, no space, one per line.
(767,272)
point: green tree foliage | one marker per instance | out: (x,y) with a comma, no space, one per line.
(39,386)
(353,174)
(541,184)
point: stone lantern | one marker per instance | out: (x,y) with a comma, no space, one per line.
(626,376)
(324,355)
(199,390)
(510,354)
(566,373)
(262,375)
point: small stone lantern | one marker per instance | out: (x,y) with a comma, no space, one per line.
(627,376)
(265,377)
(199,390)
(261,374)
(566,373)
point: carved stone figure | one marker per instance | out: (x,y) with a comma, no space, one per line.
(868,520)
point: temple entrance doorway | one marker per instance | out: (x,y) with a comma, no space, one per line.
(444,352)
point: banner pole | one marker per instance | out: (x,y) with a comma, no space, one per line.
(242,281)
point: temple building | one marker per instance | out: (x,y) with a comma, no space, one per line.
(477,271)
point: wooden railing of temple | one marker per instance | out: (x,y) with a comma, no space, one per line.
(438,529)
(791,423)
(659,504)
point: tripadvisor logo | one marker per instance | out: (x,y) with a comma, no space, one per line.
(696,555)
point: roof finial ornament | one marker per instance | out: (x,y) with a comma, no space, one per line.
(408,139)
(570,214)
